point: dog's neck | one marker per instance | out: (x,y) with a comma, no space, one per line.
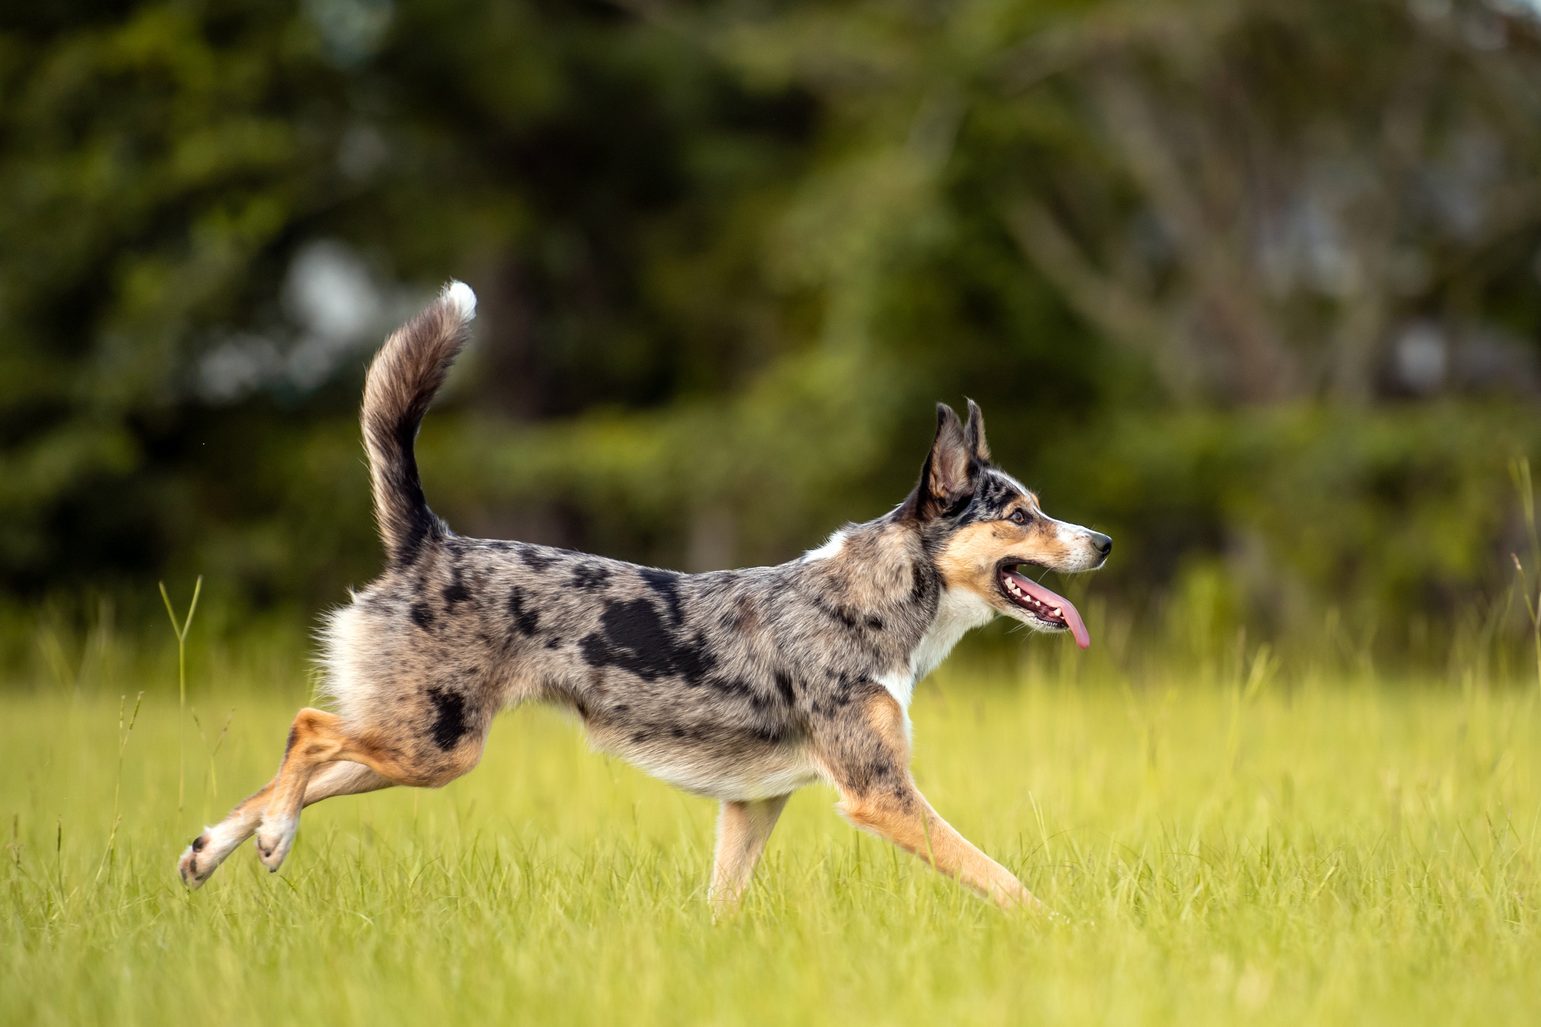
(882,569)
(957,613)
(873,567)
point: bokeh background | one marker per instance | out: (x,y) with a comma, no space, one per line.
(1252,285)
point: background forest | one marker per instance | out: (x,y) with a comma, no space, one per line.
(1254,286)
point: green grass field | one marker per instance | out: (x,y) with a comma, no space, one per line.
(1289,851)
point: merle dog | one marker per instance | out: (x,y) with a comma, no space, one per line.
(742,685)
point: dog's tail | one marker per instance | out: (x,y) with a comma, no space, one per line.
(401,382)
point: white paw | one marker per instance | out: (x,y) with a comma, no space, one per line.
(206,852)
(193,869)
(274,840)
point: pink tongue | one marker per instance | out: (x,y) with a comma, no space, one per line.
(1052,599)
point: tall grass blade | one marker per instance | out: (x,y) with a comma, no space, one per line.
(179,628)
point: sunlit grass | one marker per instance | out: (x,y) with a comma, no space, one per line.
(1266,849)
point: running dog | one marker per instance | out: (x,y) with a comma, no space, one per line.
(741,685)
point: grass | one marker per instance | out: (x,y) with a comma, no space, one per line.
(1228,847)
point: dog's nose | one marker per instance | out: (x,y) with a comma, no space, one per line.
(1102,543)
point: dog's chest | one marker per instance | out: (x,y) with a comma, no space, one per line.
(957,613)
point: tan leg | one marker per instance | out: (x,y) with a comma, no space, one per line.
(207,851)
(210,848)
(909,822)
(319,738)
(866,751)
(742,830)
(321,759)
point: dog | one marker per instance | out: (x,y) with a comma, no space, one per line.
(739,685)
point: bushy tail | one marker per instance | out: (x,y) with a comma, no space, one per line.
(401,382)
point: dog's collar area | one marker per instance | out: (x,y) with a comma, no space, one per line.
(1047,607)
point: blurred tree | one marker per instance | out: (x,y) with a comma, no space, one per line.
(156,173)
(728,255)
(1297,186)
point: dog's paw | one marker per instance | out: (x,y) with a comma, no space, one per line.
(203,856)
(193,872)
(275,837)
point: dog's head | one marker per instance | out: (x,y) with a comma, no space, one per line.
(989,536)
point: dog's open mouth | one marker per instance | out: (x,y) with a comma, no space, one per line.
(1049,608)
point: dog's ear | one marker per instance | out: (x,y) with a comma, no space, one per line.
(975,434)
(947,477)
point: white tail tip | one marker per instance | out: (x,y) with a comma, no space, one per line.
(460,296)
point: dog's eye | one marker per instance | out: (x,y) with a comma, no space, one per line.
(1019,517)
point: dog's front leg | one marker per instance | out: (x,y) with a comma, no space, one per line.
(742,830)
(906,819)
(867,754)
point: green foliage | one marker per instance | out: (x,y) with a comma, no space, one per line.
(1251,284)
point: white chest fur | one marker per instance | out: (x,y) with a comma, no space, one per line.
(957,612)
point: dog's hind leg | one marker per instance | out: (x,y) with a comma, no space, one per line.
(207,851)
(343,778)
(210,848)
(866,752)
(318,739)
(742,830)
(324,758)
(329,781)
